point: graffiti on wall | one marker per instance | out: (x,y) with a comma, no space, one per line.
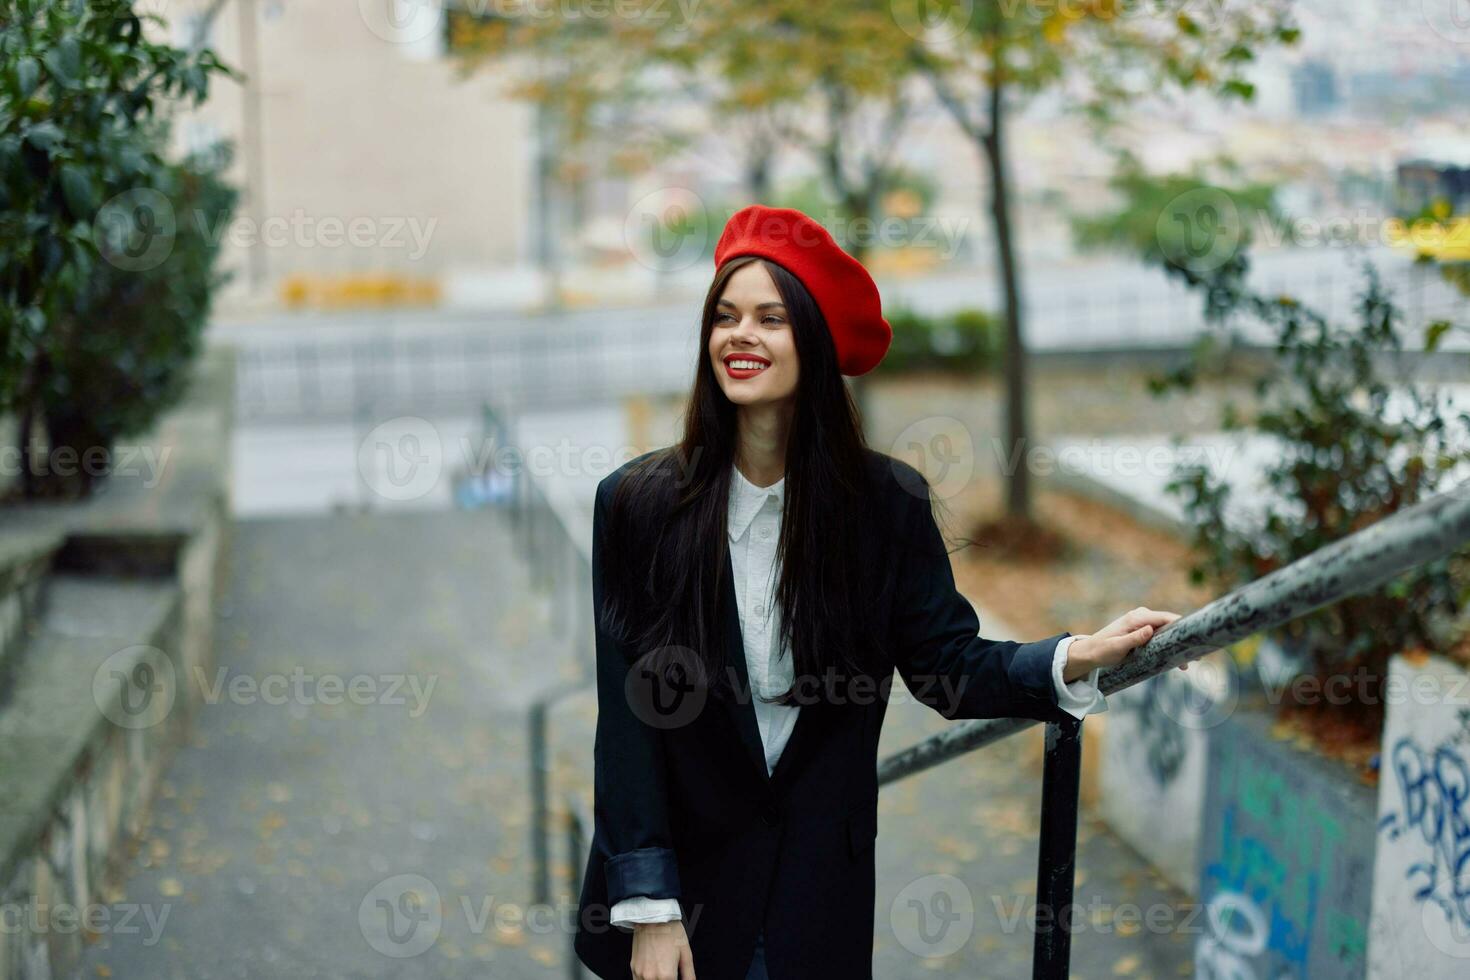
(1286,864)
(1421,888)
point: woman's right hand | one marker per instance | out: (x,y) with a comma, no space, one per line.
(661,951)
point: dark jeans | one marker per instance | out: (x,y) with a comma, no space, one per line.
(757,969)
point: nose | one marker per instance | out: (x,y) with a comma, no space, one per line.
(744,332)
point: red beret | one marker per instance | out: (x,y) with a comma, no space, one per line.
(844,291)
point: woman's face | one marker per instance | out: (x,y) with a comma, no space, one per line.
(751,342)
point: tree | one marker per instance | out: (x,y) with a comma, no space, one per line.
(984,60)
(831,79)
(80,144)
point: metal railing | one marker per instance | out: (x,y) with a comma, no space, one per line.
(1417,535)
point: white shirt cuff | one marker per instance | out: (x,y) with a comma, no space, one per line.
(640,908)
(1080,697)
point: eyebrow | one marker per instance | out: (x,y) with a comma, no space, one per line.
(759,306)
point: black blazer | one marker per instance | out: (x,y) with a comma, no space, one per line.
(684,809)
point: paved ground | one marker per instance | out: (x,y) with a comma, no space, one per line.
(957,873)
(308,840)
(302,839)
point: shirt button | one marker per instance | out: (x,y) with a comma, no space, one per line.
(760,610)
(765,532)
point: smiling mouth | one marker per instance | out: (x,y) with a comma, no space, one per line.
(741,368)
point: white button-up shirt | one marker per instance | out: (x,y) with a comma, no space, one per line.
(753,525)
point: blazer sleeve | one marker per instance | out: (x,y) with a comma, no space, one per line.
(630,795)
(938,651)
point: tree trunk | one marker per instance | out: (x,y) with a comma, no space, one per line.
(1018,487)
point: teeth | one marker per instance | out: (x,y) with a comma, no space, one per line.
(746,365)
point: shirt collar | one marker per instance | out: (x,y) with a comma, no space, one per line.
(746,500)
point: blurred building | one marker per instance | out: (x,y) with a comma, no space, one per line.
(362,156)
(1440,173)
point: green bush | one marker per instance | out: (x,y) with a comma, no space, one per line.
(965,342)
(82,95)
(1344,462)
(124,356)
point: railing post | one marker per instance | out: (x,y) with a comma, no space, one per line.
(540,846)
(576,854)
(1057,855)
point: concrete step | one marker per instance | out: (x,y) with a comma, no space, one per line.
(386,836)
(25,560)
(76,767)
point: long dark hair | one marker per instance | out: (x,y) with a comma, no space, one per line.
(667,535)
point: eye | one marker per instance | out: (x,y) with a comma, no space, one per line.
(775,318)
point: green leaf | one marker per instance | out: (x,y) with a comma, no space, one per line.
(1434,333)
(1240,87)
(44,136)
(64,61)
(27,75)
(76,187)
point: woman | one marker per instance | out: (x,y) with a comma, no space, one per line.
(756,587)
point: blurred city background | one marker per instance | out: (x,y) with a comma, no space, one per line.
(323,321)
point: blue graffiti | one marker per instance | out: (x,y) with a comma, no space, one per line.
(1434,788)
(1252,870)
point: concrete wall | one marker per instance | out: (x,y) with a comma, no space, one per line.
(1154,749)
(114,596)
(1421,872)
(1286,859)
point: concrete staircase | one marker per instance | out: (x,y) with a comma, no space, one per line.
(316,834)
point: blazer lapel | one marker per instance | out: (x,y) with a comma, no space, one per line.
(742,712)
(742,708)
